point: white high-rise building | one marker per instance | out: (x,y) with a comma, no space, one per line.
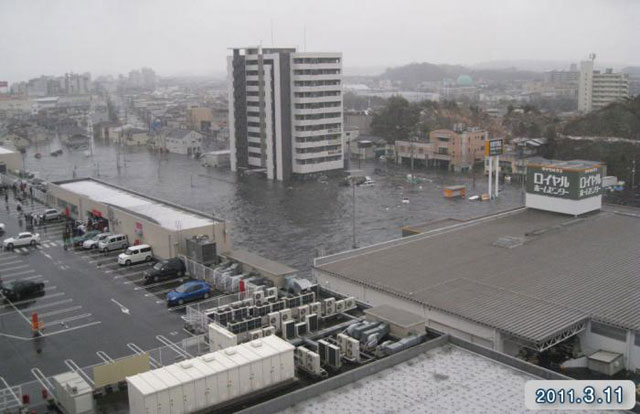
(285,111)
(596,90)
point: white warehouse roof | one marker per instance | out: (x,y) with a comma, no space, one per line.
(168,216)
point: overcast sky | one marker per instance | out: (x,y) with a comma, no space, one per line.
(192,36)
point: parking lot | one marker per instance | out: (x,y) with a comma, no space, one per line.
(90,304)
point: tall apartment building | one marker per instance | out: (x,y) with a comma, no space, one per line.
(285,111)
(597,90)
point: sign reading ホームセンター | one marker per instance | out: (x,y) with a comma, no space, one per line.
(564,183)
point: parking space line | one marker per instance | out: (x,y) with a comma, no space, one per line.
(159,292)
(8,257)
(47,305)
(21,302)
(166,282)
(59,311)
(15,260)
(69,319)
(61,331)
(18,273)
(121,275)
(13,305)
(16,267)
(23,278)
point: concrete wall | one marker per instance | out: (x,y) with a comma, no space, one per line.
(592,342)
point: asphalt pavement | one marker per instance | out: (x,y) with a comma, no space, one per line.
(90,304)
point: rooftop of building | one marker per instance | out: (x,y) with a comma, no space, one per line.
(4,150)
(445,379)
(575,165)
(260,263)
(167,215)
(532,274)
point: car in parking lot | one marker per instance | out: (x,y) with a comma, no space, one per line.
(22,239)
(193,290)
(166,269)
(92,243)
(79,240)
(20,289)
(113,242)
(51,214)
(135,254)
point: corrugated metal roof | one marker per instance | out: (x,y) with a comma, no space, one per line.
(566,270)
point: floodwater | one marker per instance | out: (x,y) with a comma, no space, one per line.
(291,223)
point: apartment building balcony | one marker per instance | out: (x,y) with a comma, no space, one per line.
(322,143)
(317,99)
(311,111)
(321,88)
(334,76)
(310,122)
(314,66)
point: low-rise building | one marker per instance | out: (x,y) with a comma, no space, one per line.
(200,119)
(136,137)
(180,141)
(456,150)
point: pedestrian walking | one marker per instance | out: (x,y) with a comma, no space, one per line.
(6,197)
(31,192)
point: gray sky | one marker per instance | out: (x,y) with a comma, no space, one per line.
(192,36)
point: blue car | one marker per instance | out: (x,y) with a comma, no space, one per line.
(194,290)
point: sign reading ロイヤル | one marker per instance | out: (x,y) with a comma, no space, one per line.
(564,183)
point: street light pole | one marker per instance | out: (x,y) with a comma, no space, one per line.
(353,187)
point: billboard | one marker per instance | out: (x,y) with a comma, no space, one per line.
(493,147)
(572,184)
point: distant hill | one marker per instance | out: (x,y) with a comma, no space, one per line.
(633,71)
(413,74)
(619,119)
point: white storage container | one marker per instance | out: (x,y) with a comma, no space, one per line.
(213,378)
(74,393)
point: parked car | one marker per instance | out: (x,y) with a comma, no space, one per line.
(19,289)
(79,240)
(113,242)
(135,254)
(51,214)
(92,243)
(193,290)
(22,239)
(166,269)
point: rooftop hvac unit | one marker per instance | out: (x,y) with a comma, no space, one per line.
(340,306)
(349,303)
(258,296)
(312,322)
(323,349)
(353,349)
(272,291)
(301,357)
(247,302)
(285,315)
(303,311)
(314,308)
(301,328)
(274,320)
(342,340)
(333,357)
(329,306)
(270,299)
(257,334)
(202,250)
(268,331)
(288,330)
(312,363)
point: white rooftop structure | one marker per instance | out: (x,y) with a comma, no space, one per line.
(4,150)
(446,379)
(167,216)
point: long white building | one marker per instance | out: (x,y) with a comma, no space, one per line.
(285,111)
(596,90)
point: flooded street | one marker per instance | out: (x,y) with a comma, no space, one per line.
(290,222)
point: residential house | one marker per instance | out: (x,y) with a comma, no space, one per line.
(181,141)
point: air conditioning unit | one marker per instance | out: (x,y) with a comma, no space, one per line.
(247,302)
(274,320)
(301,328)
(352,351)
(288,329)
(257,334)
(333,357)
(285,315)
(312,322)
(312,363)
(270,299)
(258,296)
(342,342)
(272,291)
(329,306)
(314,308)
(303,311)
(340,306)
(301,357)
(349,303)
(268,331)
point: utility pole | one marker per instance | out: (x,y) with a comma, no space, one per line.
(353,186)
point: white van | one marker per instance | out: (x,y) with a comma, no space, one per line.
(115,242)
(135,254)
